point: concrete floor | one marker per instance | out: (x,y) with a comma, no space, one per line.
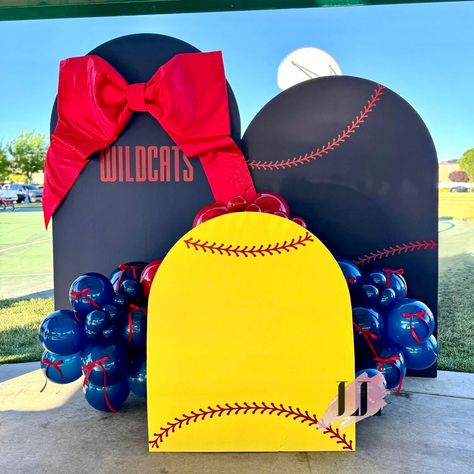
(429,428)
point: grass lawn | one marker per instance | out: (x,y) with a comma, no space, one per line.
(25,249)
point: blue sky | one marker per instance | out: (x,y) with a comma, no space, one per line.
(422,52)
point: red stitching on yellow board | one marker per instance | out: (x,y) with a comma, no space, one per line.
(395,250)
(331,144)
(244,409)
(246,251)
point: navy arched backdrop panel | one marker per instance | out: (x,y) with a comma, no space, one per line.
(358,163)
(102,224)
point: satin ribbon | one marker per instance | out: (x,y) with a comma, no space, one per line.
(419,315)
(188,97)
(49,364)
(89,368)
(367,335)
(390,360)
(84,294)
(390,272)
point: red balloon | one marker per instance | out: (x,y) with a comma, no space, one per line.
(236,204)
(253,208)
(300,221)
(209,212)
(148,274)
(271,203)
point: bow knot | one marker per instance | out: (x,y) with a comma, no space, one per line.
(390,360)
(419,315)
(136,97)
(84,294)
(49,364)
(89,368)
(390,272)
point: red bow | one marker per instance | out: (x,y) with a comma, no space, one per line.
(367,335)
(49,364)
(123,268)
(133,308)
(88,368)
(187,95)
(84,294)
(390,360)
(390,272)
(412,316)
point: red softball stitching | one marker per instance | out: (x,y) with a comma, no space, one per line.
(395,250)
(244,409)
(254,251)
(331,144)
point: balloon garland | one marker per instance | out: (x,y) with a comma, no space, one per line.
(103,338)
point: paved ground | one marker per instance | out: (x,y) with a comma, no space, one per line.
(430,428)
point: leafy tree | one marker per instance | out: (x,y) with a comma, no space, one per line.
(467,163)
(5,164)
(28,151)
(458,176)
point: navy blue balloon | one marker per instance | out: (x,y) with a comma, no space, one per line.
(111,333)
(394,371)
(96,321)
(120,301)
(117,394)
(367,319)
(408,330)
(134,329)
(421,356)
(114,312)
(115,366)
(90,291)
(126,271)
(387,278)
(131,289)
(371,373)
(137,375)
(61,333)
(387,297)
(350,271)
(68,367)
(369,294)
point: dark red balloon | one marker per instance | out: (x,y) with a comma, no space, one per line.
(209,212)
(271,203)
(236,204)
(300,221)
(148,274)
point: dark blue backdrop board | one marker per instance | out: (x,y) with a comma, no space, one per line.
(357,162)
(102,224)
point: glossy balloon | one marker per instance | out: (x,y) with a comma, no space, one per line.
(392,371)
(90,291)
(126,271)
(389,278)
(61,333)
(405,330)
(271,202)
(148,274)
(131,289)
(350,271)
(300,221)
(209,212)
(115,366)
(421,356)
(137,375)
(134,329)
(236,204)
(371,373)
(117,394)
(111,332)
(96,321)
(121,301)
(370,322)
(69,367)
(370,294)
(387,297)
(113,311)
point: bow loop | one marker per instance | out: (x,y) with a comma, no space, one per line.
(136,97)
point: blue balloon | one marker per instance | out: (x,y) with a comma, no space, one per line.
(111,333)
(369,294)
(115,365)
(96,321)
(120,301)
(387,297)
(61,333)
(117,394)
(409,322)
(90,291)
(350,271)
(114,311)
(389,283)
(371,373)
(369,322)
(132,289)
(421,356)
(61,368)
(126,271)
(134,329)
(392,365)
(137,375)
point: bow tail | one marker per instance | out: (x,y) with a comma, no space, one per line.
(227,172)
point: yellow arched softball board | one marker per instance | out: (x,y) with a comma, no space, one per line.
(249,333)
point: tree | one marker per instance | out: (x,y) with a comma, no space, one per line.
(28,151)
(467,163)
(5,164)
(458,176)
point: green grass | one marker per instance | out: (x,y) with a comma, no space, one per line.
(19,323)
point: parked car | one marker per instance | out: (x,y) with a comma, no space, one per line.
(459,189)
(22,190)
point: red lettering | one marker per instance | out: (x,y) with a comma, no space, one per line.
(108,168)
(120,161)
(140,164)
(165,163)
(128,177)
(176,163)
(188,174)
(152,173)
